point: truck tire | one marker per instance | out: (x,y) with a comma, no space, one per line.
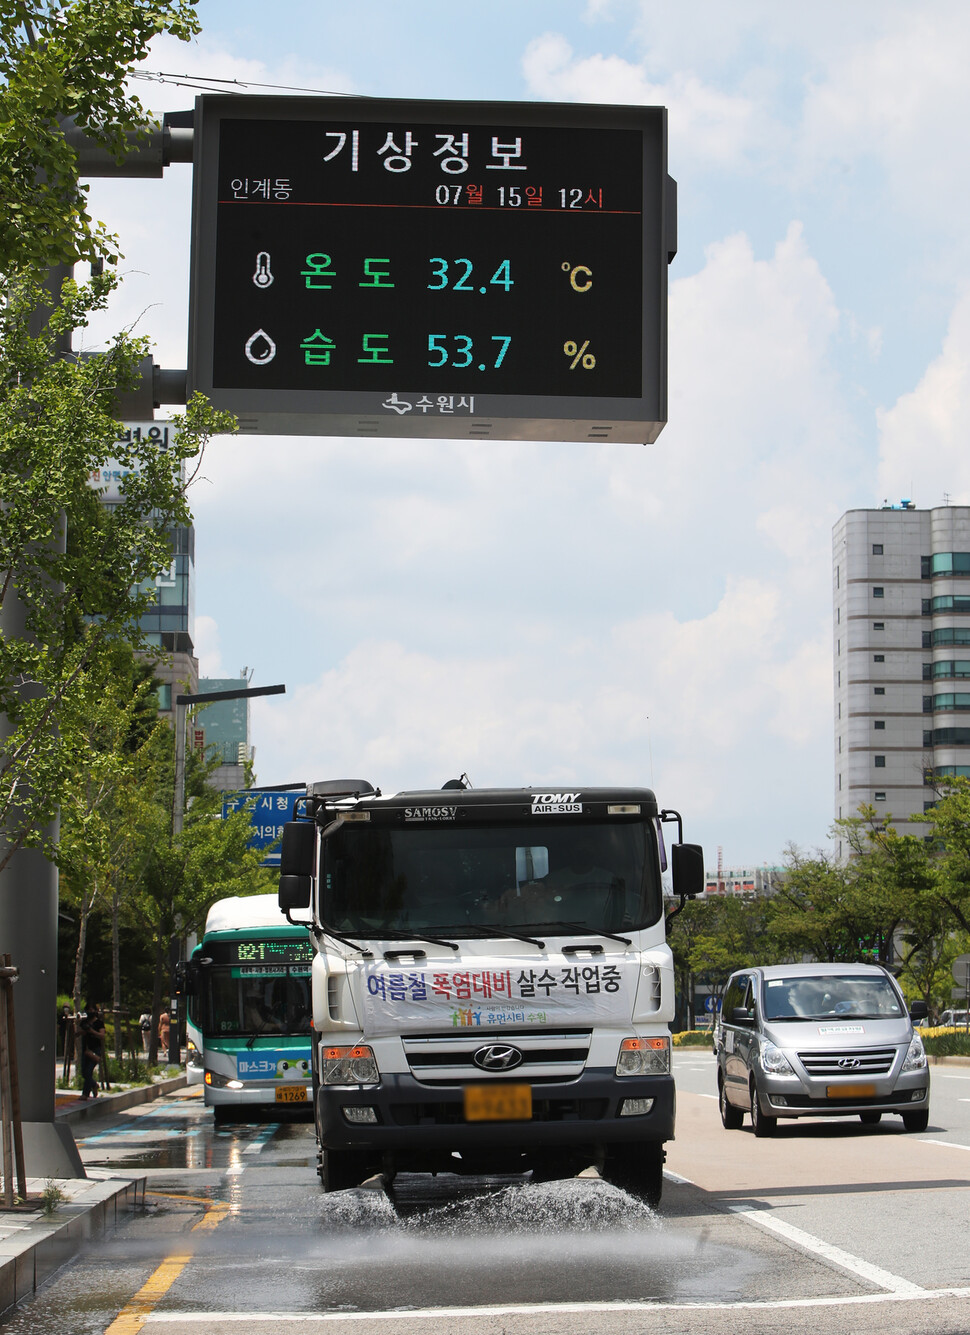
(731,1117)
(341,1169)
(760,1124)
(638,1169)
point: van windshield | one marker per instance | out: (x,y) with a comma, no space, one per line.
(861,996)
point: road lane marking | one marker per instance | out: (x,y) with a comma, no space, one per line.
(949,1144)
(855,1265)
(262,1140)
(134,1314)
(536,1309)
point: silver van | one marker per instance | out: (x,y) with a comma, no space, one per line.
(810,1040)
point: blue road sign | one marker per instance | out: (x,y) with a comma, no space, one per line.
(270,812)
(710,1004)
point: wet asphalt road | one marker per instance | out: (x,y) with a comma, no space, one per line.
(827,1228)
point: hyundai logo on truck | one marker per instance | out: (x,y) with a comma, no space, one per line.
(498,1057)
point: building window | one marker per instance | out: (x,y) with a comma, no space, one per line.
(879,797)
(878,591)
(951,602)
(950,563)
(950,635)
(928,639)
(879,625)
(926,607)
(879,724)
(877,549)
(927,737)
(924,567)
(927,671)
(879,762)
(879,690)
(927,704)
(838,646)
(879,658)
(165,696)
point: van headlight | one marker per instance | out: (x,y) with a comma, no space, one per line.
(774,1061)
(915,1058)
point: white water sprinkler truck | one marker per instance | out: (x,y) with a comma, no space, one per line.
(492,985)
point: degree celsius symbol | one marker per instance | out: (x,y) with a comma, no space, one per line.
(580,276)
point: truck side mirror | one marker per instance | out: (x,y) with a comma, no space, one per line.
(296,864)
(687,870)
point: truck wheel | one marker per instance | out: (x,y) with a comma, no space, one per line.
(731,1117)
(638,1169)
(916,1121)
(760,1124)
(341,1169)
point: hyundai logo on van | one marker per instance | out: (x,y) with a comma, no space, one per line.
(556,804)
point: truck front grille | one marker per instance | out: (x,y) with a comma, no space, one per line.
(547,1055)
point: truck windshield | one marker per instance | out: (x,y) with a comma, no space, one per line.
(256,1004)
(601,875)
(821,998)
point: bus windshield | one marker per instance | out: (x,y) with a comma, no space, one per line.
(599,876)
(256,1004)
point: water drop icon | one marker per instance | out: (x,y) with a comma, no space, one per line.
(260,348)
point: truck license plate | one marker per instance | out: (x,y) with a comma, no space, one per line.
(851,1091)
(498,1103)
(291,1093)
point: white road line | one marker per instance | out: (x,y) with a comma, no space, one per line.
(949,1144)
(845,1260)
(533,1309)
(260,1142)
(235,1169)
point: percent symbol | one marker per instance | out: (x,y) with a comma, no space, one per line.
(579,354)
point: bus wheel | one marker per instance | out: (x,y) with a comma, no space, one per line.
(341,1169)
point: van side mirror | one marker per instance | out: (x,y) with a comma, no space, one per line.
(296,864)
(687,870)
(741,1015)
(919,1010)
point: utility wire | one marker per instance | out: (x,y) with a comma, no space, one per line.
(200,80)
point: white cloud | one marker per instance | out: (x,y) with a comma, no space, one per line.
(923,437)
(705,124)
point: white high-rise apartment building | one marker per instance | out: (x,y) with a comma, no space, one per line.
(901,583)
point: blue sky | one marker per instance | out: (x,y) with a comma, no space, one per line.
(571,614)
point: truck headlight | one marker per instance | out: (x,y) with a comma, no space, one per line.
(915,1058)
(774,1061)
(644,1056)
(350,1066)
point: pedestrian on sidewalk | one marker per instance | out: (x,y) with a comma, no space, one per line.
(90,1052)
(164,1032)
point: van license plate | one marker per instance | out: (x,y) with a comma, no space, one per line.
(498,1103)
(291,1093)
(851,1091)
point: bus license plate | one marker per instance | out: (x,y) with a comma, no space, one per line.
(291,1094)
(851,1091)
(498,1103)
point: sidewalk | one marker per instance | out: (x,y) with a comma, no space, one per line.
(33,1245)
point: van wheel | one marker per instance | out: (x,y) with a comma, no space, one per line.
(341,1169)
(731,1117)
(760,1124)
(916,1121)
(869,1118)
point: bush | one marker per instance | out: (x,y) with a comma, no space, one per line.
(692,1038)
(946,1042)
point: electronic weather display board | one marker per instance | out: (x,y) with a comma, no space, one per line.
(432,268)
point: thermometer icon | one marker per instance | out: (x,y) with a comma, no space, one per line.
(262,277)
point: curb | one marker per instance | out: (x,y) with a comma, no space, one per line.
(34,1246)
(112,1103)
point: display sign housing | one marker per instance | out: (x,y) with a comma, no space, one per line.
(453,269)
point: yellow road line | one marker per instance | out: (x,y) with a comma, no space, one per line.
(133,1316)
